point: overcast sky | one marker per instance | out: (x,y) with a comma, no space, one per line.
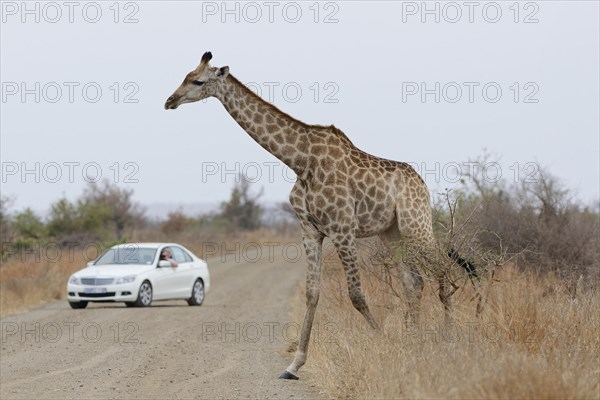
(432,88)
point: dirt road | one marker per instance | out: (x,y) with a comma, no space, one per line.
(233,346)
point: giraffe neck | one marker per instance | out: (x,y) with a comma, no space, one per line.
(278,133)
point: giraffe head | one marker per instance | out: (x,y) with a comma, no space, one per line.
(199,84)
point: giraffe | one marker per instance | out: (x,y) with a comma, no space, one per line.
(341,192)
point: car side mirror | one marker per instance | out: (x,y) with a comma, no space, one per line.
(164,263)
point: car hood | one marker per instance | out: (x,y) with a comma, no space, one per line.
(114,270)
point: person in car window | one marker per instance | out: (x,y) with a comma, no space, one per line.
(166,254)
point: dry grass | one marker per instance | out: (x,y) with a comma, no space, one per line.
(537,338)
(26,283)
(30,279)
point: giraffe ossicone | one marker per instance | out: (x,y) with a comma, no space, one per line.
(341,192)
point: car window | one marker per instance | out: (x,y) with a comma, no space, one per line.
(130,254)
(180,255)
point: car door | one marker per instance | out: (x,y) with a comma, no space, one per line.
(184,274)
(165,282)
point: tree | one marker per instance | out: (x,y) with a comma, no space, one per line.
(7,233)
(112,205)
(63,220)
(242,211)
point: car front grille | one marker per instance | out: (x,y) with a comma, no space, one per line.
(97,281)
(108,294)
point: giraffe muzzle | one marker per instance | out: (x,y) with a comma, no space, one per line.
(171,103)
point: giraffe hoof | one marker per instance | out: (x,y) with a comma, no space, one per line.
(288,375)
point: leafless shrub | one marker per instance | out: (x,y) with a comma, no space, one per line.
(538,221)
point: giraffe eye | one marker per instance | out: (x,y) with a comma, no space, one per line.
(198,83)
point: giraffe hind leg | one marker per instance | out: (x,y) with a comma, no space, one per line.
(346,249)
(445,294)
(412,281)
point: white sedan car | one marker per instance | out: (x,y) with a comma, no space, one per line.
(135,274)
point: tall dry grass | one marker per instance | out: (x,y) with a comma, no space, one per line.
(29,280)
(537,338)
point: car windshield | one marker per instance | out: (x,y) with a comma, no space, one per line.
(127,255)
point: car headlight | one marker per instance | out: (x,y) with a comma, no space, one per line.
(125,279)
(73,280)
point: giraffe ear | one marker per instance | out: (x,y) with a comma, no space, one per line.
(223,72)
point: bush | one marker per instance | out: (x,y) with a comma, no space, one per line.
(29,228)
(538,220)
(103,213)
(177,222)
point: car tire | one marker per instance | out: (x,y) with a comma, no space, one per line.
(130,303)
(197,293)
(78,305)
(144,298)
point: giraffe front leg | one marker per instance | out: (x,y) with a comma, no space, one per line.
(312,248)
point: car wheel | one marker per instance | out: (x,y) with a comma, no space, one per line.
(144,295)
(197,293)
(77,305)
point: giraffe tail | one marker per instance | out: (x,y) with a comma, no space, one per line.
(469,266)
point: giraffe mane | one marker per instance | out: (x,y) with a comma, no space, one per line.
(247,90)
(330,128)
